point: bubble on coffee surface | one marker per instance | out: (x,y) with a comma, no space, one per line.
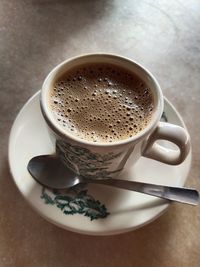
(101,103)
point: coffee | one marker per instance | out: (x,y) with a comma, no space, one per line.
(101,102)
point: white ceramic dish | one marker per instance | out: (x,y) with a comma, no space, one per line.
(83,212)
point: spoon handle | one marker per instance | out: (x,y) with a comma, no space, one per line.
(178,194)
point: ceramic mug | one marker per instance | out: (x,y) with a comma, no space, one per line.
(106,160)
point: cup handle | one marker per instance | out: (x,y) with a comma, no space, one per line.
(172,133)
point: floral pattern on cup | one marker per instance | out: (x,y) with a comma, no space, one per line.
(164,117)
(84,162)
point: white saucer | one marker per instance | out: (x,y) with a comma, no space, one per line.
(127,210)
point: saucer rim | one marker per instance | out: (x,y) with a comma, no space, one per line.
(165,205)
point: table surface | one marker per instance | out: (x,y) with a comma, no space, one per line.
(35,36)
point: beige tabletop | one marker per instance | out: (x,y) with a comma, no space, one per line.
(36,35)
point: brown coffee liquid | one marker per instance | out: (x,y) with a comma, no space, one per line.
(101,103)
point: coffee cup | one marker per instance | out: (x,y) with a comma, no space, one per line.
(84,95)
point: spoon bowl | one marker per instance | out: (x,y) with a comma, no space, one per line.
(50,172)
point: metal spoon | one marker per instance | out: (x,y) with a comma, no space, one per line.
(50,172)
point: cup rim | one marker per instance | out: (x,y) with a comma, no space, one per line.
(64,134)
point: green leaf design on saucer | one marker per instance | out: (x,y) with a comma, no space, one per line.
(75,201)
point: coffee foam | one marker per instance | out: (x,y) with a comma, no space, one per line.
(101,103)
